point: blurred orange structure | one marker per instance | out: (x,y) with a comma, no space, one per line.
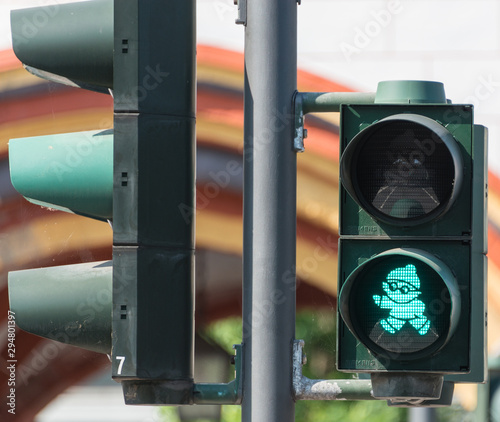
(34,237)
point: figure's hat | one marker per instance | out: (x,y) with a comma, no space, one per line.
(406,274)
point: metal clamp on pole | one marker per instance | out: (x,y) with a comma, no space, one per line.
(341,389)
(316,102)
(242,12)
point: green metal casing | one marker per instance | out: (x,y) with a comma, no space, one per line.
(70,44)
(70,304)
(67,43)
(355,221)
(72,172)
(456,238)
(154,176)
(479,263)
(140,176)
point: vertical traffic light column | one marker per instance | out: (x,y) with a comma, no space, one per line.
(154,175)
(412,241)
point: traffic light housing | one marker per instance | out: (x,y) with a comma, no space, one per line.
(138,176)
(67,172)
(412,246)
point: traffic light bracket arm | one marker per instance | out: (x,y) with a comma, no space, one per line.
(222,393)
(322,102)
(337,389)
(165,393)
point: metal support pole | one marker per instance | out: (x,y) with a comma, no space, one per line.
(269,220)
(422,414)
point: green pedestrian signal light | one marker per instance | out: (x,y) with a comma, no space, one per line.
(403,302)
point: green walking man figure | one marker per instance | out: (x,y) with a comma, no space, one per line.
(402,287)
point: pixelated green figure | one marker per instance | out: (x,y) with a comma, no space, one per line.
(402,288)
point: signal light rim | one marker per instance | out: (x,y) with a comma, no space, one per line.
(436,265)
(351,153)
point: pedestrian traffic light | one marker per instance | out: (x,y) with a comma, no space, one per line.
(139,176)
(412,246)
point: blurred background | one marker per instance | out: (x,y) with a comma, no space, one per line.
(343,45)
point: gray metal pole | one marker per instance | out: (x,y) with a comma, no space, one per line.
(269,211)
(422,414)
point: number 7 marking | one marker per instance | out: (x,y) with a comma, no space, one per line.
(120,365)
